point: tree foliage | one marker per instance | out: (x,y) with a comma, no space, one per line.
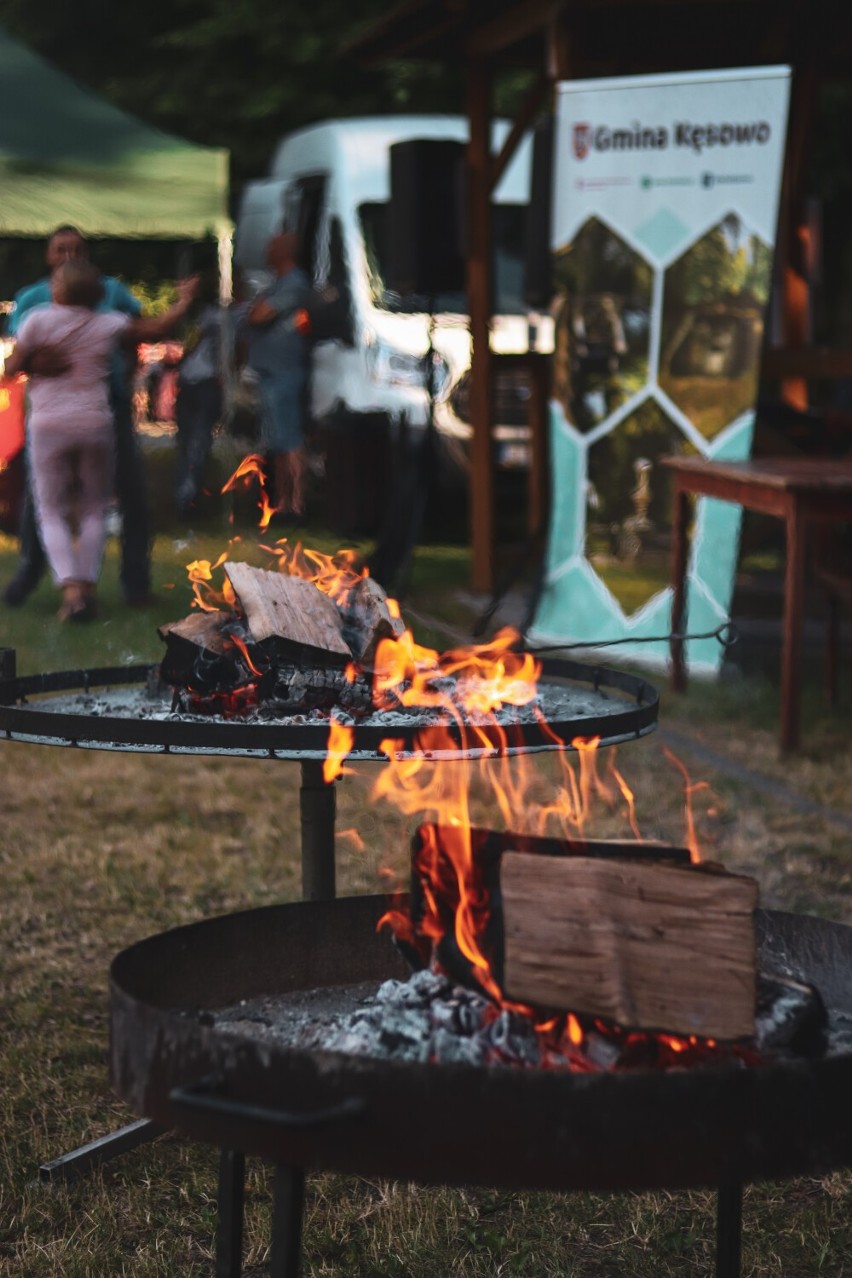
(224,74)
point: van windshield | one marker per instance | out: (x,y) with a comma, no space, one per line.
(508,226)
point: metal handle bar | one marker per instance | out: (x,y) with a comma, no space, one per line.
(201,1096)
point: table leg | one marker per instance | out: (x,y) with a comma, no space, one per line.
(794,605)
(679,559)
(317,802)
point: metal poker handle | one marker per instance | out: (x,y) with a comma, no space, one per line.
(201,1096)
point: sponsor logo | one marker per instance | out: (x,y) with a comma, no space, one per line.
(582,137)
(683,134)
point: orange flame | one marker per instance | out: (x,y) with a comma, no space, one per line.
(352,836)
(340,740)
(575,1030)
(690,788)
(200,573)
(241,647)
(251,468)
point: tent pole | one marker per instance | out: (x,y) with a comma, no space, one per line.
(225,241)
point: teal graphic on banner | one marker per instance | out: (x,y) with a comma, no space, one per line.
(665,204)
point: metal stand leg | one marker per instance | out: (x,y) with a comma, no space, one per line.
(287,1209)
(229,1227)
(7,663)
(729,1221)
(99,1151)
(318,802)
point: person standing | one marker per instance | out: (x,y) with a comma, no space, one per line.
(277,324)
(68,244)
(71,435)
(199,393)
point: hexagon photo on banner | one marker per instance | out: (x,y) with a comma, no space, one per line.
(714,299)
(629,504)
(603,324)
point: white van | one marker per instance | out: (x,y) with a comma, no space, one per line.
(331,182)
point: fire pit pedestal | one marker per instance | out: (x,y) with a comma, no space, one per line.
(124,708)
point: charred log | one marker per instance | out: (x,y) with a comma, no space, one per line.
(299,687)
(367,620)
(791,1016)
(208,651)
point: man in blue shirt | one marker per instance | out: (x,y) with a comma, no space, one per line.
(64,244)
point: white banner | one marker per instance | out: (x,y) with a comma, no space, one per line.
(666,196)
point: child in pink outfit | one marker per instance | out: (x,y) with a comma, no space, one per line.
(70,422)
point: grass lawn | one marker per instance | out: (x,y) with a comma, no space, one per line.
(98,850)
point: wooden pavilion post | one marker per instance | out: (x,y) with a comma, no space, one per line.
(794,247)
(479,289)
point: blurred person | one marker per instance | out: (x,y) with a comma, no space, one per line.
(277,349)
(68,244)
(72,441)
(199,393)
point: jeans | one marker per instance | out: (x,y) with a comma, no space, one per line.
(199,407)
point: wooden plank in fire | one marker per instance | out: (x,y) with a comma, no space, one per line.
(199,638)
(367,619)
(652,946)
(201,629)
(276,605)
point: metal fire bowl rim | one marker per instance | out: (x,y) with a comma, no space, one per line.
(456,1123)
(283,739)
(124,964)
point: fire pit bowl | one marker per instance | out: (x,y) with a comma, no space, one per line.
(307,1107)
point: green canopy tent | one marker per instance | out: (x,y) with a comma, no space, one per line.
(67,155)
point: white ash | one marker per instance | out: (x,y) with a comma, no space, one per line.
(556,702)
(839,1033)
(425,1018)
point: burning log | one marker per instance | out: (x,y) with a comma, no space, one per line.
(200,650)
(290,609)
(367,619)
(287,645)
(627,931)
(652,946)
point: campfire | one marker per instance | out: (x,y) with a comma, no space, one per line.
(281,642)
(545,949)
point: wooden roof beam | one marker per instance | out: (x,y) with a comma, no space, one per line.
(413,43)
(512,26)
(530,108)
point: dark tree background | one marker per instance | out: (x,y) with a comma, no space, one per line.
(228,73)
(231,73)
(241,73)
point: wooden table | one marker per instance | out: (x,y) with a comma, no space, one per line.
(799,490)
